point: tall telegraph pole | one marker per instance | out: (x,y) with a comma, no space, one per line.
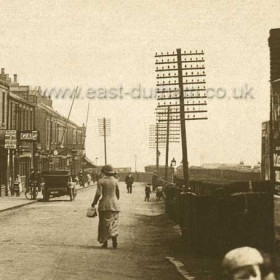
(183,123)
(181,89)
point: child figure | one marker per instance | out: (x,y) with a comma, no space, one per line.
(159,192)
(147,192)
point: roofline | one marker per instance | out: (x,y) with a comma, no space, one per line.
(16,97)
(46,107)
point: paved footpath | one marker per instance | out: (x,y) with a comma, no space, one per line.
(55,240)
(12,202)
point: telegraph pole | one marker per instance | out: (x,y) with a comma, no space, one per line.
(104,131)
(157,149)
(181,87)
(167,144)
(160,139)
(183,123)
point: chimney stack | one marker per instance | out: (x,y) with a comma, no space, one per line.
(15,78)
(2,71)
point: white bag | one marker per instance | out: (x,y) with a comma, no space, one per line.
(91,212)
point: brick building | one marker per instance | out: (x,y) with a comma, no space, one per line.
(17,116)
(43,138)
(265,162)
(61,145)
(274,45)
(4,91)
(62,141)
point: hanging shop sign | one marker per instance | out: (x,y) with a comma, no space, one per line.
(10,139)
(29,135)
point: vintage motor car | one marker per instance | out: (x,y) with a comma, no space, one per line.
(58,183)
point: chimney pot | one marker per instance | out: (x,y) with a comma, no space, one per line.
(15,78)
(3,71)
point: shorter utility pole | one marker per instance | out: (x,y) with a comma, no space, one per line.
(104,131)
(167,144)
(156,141)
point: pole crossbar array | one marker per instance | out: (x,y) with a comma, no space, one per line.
(180,93)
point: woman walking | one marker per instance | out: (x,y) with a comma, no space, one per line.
(108,208)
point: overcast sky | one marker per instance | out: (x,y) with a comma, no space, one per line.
(108,44)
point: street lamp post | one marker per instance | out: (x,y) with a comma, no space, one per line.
(173,164)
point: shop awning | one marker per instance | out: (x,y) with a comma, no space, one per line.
(87,163)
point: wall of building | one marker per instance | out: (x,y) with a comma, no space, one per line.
(274,45)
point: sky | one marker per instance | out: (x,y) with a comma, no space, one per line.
(105,45)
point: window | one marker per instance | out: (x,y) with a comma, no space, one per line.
(47,134)
(32,119)
(27,119)
(79,137)
(23,118)
(60,134)
(13,111)
(3,107)
(19,118)
(54,132)
(74,136)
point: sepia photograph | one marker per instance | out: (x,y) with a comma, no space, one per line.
(140,139)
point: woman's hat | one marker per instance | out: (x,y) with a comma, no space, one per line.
(108,170)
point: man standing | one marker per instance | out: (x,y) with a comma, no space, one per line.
(81,178)
(129,180)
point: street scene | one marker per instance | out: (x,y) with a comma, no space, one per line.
(140,140)
(55,240)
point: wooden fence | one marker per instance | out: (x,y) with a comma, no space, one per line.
(214,218)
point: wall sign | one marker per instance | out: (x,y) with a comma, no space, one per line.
(29,135)
(10,139)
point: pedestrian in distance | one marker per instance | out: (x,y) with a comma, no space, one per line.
(117,176)
(88,179)
(129,180)
(147,192)
(94,176)
(108,207)
(81,178)
(17,186)
(76,180)
(154,181)
(159,193)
